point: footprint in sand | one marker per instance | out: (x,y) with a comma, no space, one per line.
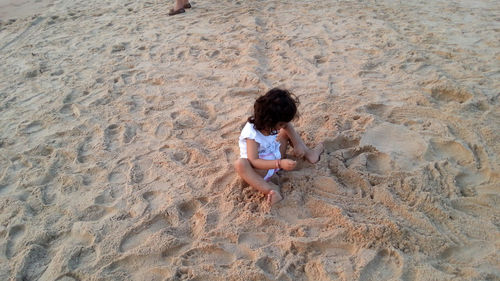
(111,137)
(229,129)
(33,127)
(319,59)
(84,150)
(117,177)
(32,263)
(49,195)
(386,265)
(222,178)
(134,104)
(158,107)
(6,188)
(331,249)
(254,240)
(447,93)
(230,154)
(186,119)
(136,175)
(119,174)
(83,256)
(200,220)
(378,109)
(203,222)
(15,235)
(213,54)
(352,178)
(127,77)
(42,150)
(355,157)
(467,180)
(155,199)
(207,255)
(468,254)
(140,234)
(119,47)
(268,265)
(81,234)
(371,74)
(173,251)
(70,110)
(68,277)
(163,130)
(339,142)
(129,133)
(442,149)
(109,195)
(379,163)
(100,101)
(334,258)
(181,157)
(188,209)
(94,213)
(203,110)
(479,205)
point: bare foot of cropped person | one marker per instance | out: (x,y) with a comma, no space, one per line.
(179,7)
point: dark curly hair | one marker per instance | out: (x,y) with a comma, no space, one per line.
(277,105)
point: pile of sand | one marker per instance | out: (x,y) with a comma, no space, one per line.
(119,128)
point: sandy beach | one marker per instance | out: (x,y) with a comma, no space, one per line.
(119,129)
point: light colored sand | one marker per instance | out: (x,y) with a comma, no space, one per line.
(13,9)
(119,127)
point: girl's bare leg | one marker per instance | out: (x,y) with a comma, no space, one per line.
(179,4)
(299,147)
(283,139)
(255,180)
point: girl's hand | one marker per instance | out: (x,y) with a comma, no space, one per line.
(287,164)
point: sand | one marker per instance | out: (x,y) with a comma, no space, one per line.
(119,127)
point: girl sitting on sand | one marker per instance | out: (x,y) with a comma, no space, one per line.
(264,140)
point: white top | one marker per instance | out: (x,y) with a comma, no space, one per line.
(269,148)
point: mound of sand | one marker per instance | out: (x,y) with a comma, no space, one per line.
(119,128)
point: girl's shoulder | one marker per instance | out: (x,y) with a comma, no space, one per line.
(249,126)
(249,130)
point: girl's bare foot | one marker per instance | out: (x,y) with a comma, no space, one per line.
(312,155)
(273,197)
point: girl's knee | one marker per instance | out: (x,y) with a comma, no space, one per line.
(282,137)
(282,134)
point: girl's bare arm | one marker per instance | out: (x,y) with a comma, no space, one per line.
(257,163)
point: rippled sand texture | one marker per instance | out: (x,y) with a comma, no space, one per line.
(119,127)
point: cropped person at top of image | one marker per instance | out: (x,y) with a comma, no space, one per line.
(180,7)
(265,138)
